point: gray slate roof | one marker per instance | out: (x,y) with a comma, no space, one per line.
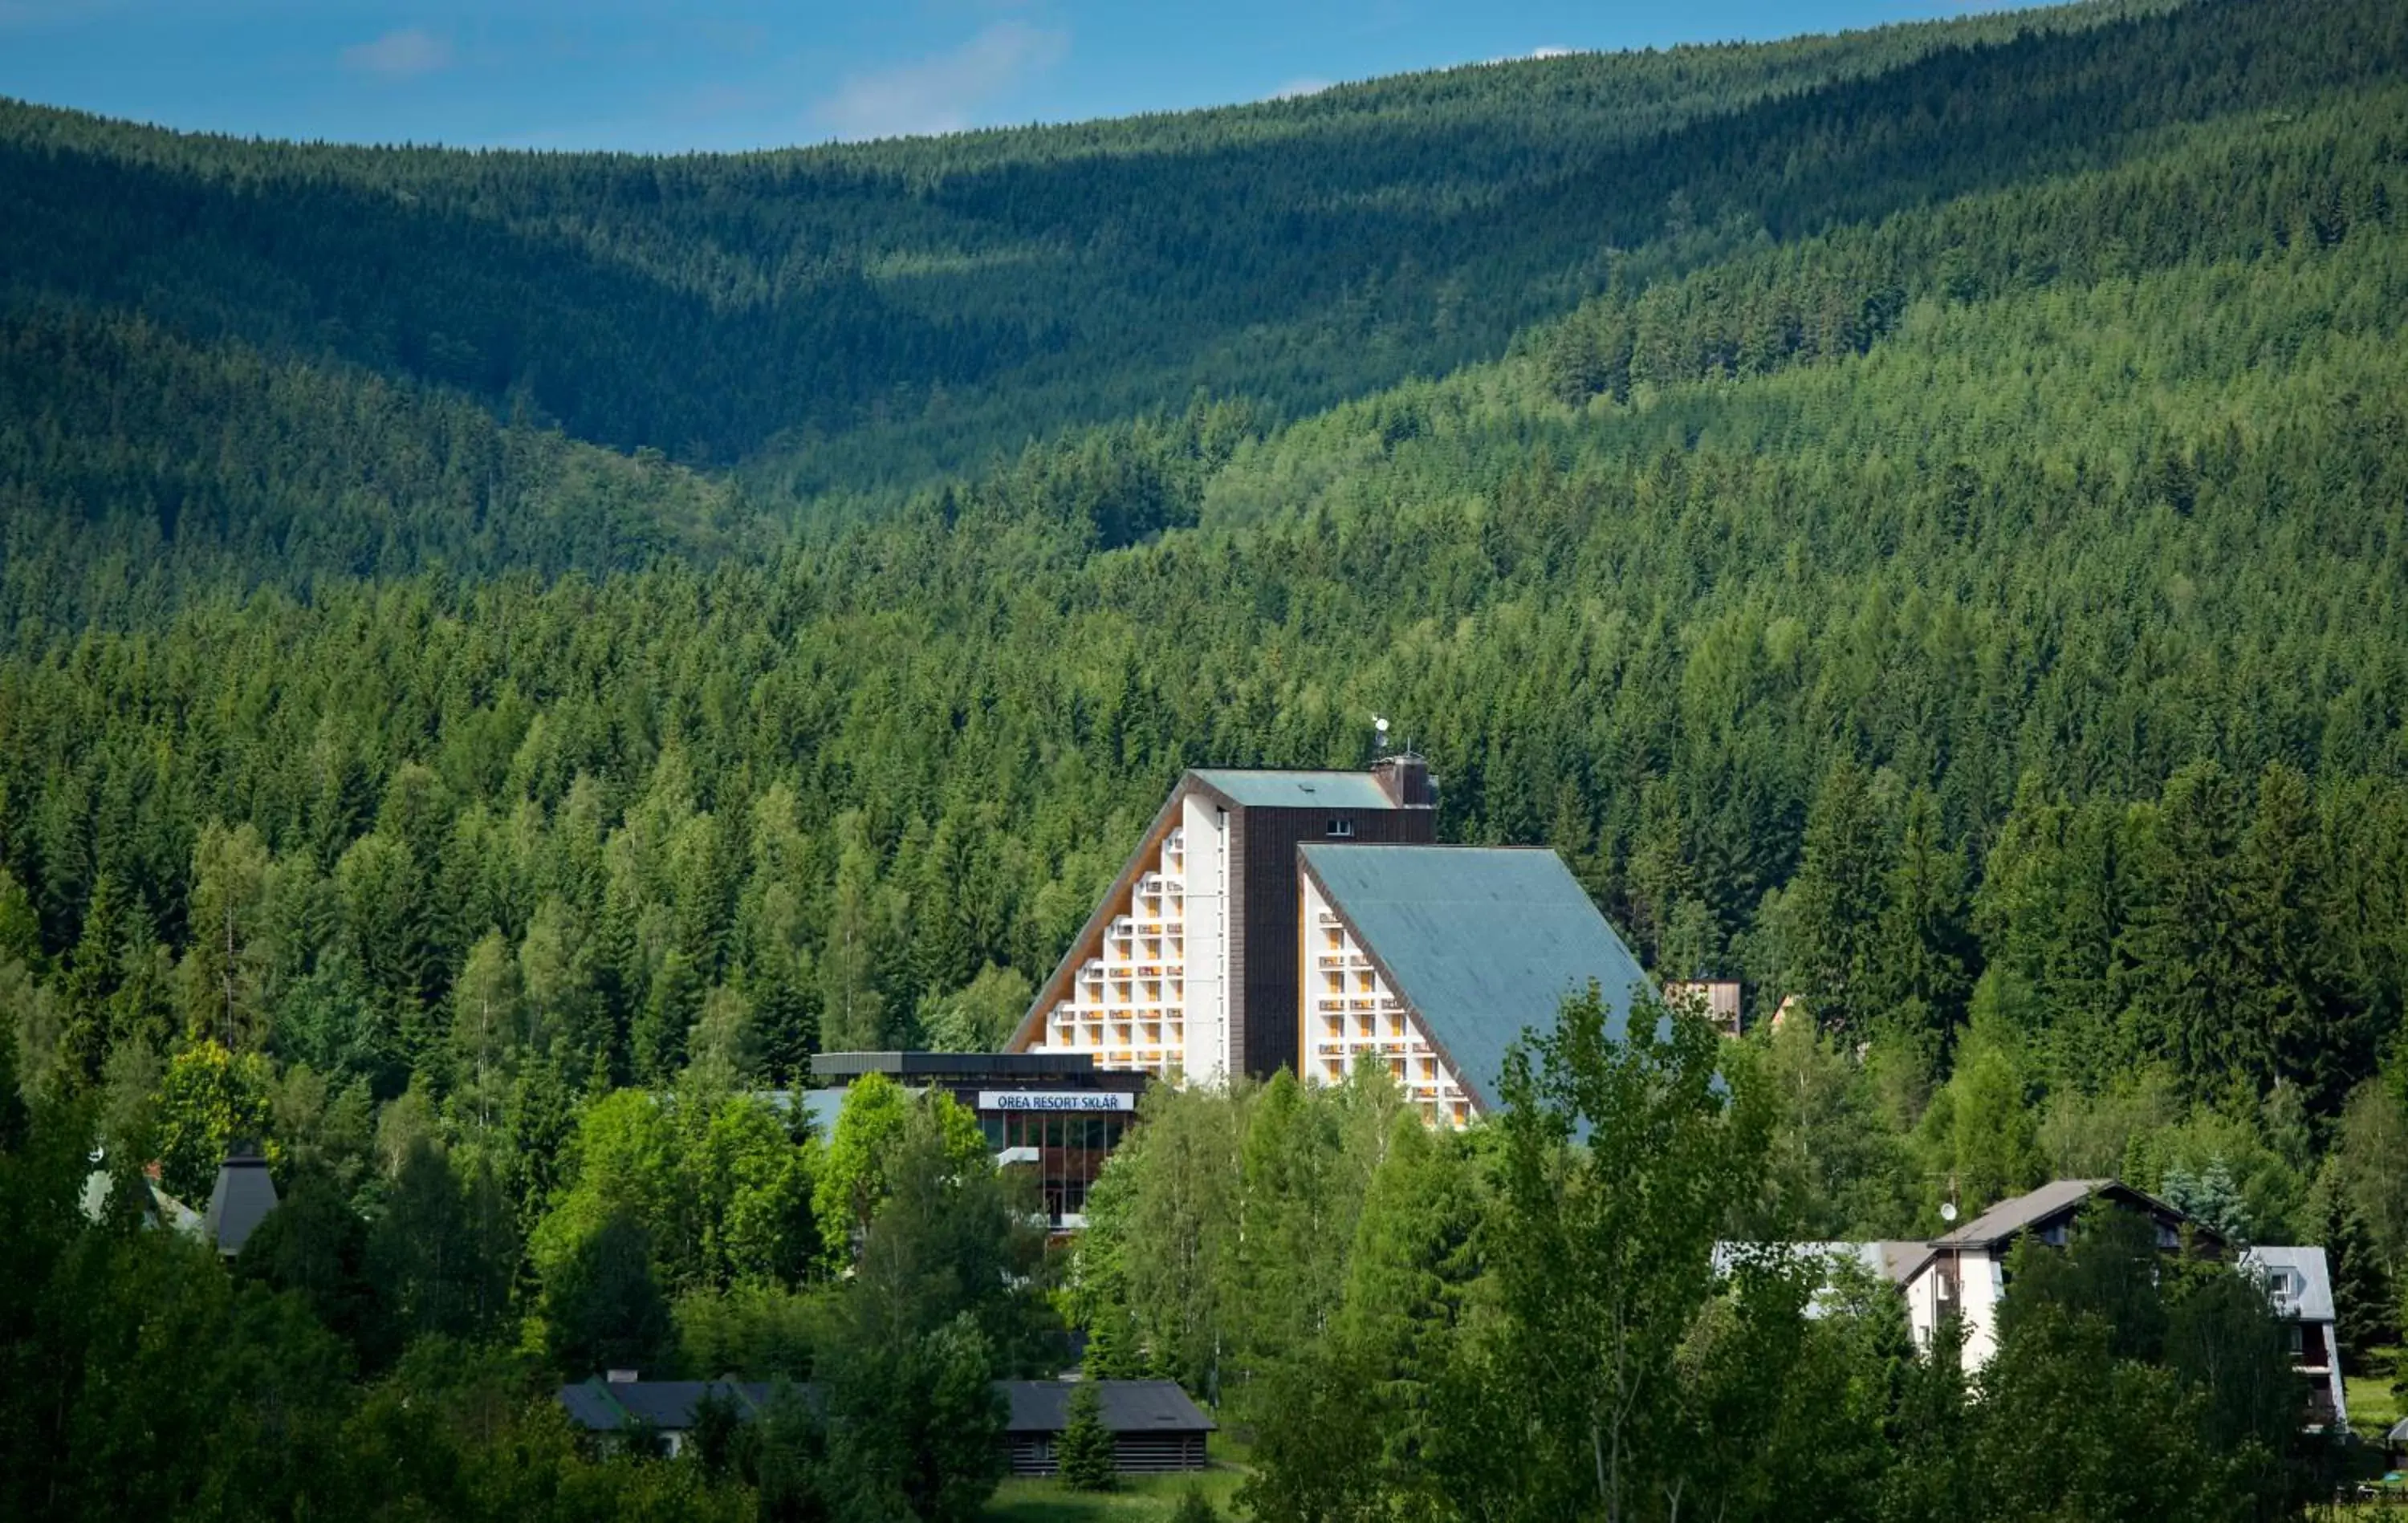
(601,1406)
(2022,1213)
(1483,942)
(1036,1406)
(238,1203)
(2019,1213)
(1129,1407)
(2315,1301)
(1299,789)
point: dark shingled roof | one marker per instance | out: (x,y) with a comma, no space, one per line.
(1483,942)
(605,1406)
(240,1201)
(1036,1406)
(1130,1407)
(2022,1213)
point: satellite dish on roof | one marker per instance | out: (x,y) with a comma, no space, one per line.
(1947,1211)
(1379,725)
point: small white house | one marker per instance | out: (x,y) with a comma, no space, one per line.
(2300,1287)
(1964,1272)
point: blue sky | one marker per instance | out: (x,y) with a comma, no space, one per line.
(733,74)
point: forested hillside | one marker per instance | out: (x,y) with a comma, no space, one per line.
(1919,519)
(856,317)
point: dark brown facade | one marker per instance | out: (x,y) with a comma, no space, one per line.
(1133,1454)
(1263,909)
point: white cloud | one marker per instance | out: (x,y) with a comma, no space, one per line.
(403,54)
(1552,51)
(945,92)
(1298,89)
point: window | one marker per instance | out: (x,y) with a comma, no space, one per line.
(2286,1286)
(1342,829)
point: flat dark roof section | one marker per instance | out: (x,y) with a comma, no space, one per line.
(975,1067)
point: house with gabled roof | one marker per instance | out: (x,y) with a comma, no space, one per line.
(618,1407)
(1156,1427)
(2299,1284)
(1964,1272)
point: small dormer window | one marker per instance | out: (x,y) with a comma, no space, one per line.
(1342,830)
(2288,1286)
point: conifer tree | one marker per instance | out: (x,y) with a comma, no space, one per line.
(1840,897)
(1084,1451)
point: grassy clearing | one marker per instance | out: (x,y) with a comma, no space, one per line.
(2366,1384)
(1140,1499)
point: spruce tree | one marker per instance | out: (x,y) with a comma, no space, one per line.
(1085,1449)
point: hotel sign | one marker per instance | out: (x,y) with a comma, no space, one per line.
(1056,1100)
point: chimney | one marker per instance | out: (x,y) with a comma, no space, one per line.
(620,1378)
(1404,776)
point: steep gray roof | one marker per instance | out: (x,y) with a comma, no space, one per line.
(1299,789)
(1483,942)
(1129,1407)
(1901,1258)
(2019,1213)
(2311,1298)
(2022,1213)
(238,1203)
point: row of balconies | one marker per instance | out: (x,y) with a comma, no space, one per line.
(1362,1009)
(1125,977)
(1419,1075)
(1388,1035)
(1121,939)
(1126,992)
(1151,973)
(1130,948)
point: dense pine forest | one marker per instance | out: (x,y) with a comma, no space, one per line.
(506,655)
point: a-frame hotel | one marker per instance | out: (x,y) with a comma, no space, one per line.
(1308,920)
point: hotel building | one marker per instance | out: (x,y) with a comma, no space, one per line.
(1308,920)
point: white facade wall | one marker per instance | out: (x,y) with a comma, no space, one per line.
(1923,1308)
(1128,1003)
(1981,1284)
(1349,1013)
(1155,996)
(1205,829)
